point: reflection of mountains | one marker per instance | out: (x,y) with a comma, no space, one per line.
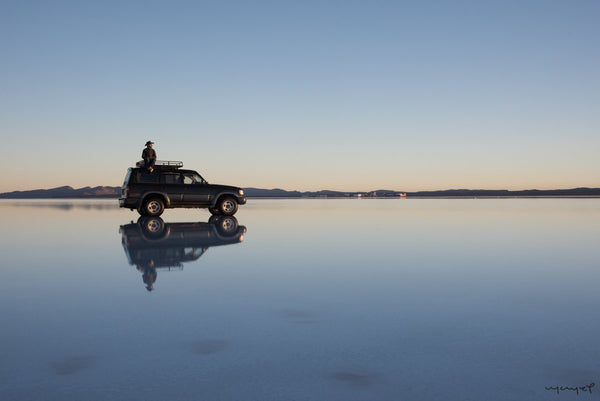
(67,206)
(151,244)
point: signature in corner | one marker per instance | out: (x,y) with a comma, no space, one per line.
(585,389)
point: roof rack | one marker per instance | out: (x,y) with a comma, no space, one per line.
(163,164)
(168,163)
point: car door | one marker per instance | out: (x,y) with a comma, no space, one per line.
(172,185)
(195,190)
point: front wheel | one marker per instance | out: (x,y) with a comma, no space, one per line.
(153,207)
(227,206)
(225,225)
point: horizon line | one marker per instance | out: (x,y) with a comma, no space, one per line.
(329,190)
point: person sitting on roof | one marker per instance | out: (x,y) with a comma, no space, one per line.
(149,156)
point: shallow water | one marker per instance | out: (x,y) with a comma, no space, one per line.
(417,299)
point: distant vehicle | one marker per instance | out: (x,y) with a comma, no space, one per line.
(150,244)
(170,186)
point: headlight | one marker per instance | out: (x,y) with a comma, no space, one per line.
(241,191)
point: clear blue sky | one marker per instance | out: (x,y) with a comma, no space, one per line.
(308,95)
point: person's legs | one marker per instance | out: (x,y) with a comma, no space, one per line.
(149,164)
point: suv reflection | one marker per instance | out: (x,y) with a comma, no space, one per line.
(151,244)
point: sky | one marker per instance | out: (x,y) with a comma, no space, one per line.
(303,95)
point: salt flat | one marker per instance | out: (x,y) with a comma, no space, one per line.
(312,299)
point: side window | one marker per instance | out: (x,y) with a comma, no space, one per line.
(191,178)
(188,179)
(143,177)
(171,178)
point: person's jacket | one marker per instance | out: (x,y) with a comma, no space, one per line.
(148,153)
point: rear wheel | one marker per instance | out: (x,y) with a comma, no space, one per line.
(227,206)
(153,227)
(153,207)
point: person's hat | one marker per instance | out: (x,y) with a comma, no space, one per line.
(149,142)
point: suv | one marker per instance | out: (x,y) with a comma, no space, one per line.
(170,186)
(152,245)
(170,244)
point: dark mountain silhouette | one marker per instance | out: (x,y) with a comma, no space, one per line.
(113,192)
(65,192)
(382,193)
(274,193)
(507,193)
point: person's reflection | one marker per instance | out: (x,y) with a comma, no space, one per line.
(149,274)
(151,244)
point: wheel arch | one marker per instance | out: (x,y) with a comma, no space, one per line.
(160,195)
(222,195)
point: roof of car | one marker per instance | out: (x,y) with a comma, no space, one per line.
(167,169)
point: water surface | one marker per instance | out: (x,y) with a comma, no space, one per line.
(305,299)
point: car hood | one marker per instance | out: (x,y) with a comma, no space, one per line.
(227,188)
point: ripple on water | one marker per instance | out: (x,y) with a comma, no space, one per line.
(300,316)
(353,379)
(207,347)
(73,364)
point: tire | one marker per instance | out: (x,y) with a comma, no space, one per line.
(214,211)
(153,227)
(227,206)
(153,207)
(225,225)
(228,225)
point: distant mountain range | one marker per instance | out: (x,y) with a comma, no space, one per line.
(64,192)
(113,192)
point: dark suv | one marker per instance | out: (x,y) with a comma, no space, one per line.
(152,245)
(170,186)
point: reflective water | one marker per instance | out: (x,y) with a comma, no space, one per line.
(463,299)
